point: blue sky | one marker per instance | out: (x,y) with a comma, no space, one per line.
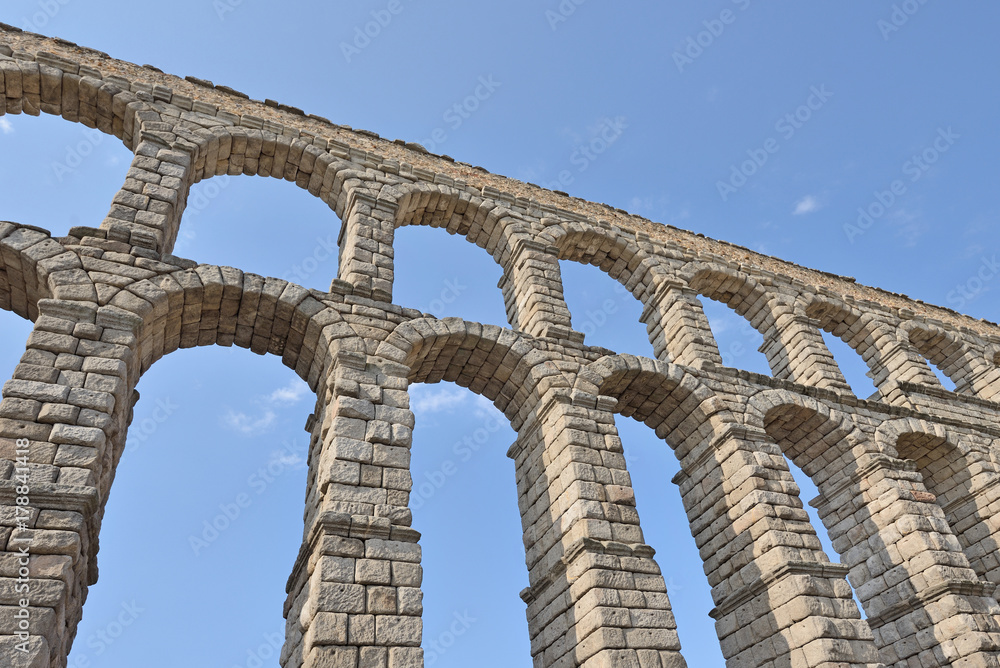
(856,138)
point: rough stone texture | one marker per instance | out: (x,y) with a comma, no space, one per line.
(908,478)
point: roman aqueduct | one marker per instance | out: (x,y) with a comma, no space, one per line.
(907,478)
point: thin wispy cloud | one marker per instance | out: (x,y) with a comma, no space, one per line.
(285,459)
(246,424)
(289,394)
(6,127)
(258,421)
(429,399)
(807,204)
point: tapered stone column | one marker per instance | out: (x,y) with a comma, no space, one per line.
(62,431)
(354,595)
(366,253)
(925,604)
(533,292)
(678,329)
(596,596)
(779,600)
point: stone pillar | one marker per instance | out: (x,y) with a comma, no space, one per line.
(975,519)
(901,363)
(146,212)
(366,253)
(354,595)
(796,351)
(596,597)
(678,329)
(779,600)
(985,381)
(63,419)
(925,604)
(533,291)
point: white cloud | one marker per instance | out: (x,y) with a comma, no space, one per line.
(285,459)
(807,204)
(5,126)
(429,399)
(247,425)
(290,394)
(264,416)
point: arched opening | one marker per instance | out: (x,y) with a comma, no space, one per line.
(80,168)
(666,528)
(229,219)
(14,332)
(703,435)
(603,310)
(945,356)
(948,476)
(464,503)
(813,447)
(446,276)
(204,519)
(739,342)
(856,372)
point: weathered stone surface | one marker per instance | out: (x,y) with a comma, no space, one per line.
(909,479)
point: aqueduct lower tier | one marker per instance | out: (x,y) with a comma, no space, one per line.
(907,478)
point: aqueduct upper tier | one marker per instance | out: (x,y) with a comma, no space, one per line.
(907,477)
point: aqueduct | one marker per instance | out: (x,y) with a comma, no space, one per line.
(907,478)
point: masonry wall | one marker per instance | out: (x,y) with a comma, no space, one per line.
(907,478)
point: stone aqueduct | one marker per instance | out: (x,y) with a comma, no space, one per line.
(907,478)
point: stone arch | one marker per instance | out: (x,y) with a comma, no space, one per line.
(725,467)
(265,315)
(680,408)
(480,221)
(950,354)
(29,260)
(820,440)
(961,476)
(54,85)
(610,250)
(890,357)
(497,363)
(305,161)
(793,346)
(735,289)
(675,324)
(217,149)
